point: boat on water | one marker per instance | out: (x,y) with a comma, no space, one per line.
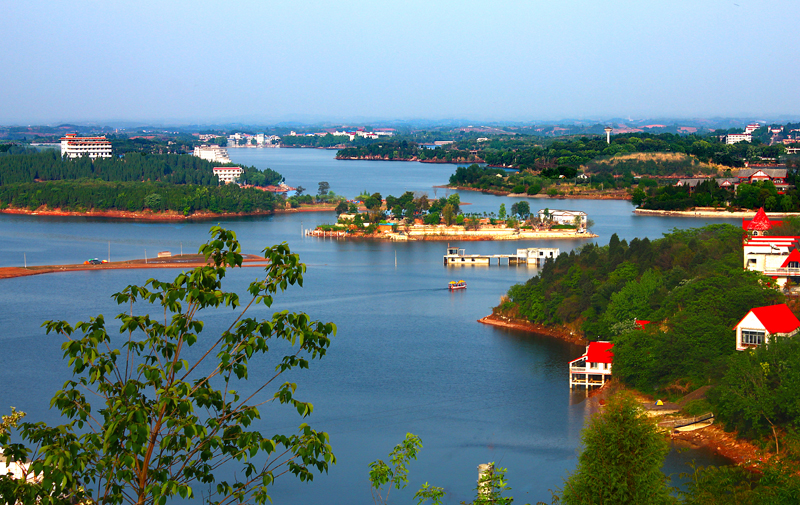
(457,285)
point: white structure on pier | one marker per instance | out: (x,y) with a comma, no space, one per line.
(594,367)
(73,146)
(531,255)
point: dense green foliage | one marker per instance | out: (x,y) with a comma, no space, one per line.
(172,168)
(325,141)
(81,195)
(690,282)
(709,194)
(621,459)
(165,411)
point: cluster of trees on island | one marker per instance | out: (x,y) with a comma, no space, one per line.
(134,182)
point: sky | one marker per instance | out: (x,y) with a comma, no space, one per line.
(271,61)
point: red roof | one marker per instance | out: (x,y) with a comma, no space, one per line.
(776,318)
(760,222)
(793,256)
(642,323)
(600,352)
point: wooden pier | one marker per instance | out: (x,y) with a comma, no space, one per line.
(531,255)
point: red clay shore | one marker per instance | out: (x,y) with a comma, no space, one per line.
(168,216)
(186,261)
(524,325)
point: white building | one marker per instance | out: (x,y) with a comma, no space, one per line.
(594,367)
(752,127)
(733,138)
(214,154)
(228,174)
(761,323)
(73,146)
(563,216)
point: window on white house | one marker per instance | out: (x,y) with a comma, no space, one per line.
(752,337)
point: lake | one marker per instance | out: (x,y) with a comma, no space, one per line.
(409,355)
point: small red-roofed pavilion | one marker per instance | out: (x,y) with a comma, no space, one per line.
(761,323)
(594,367)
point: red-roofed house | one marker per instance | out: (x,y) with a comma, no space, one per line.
(762,323)
(594,367)
(759,224)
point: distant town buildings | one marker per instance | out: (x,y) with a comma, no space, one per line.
(214,154)
(228,175)
(73,146)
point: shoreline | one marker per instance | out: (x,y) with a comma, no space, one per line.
(713,213)
(738,451)
(582,196)
(168,216)
(453,234)
(185,261)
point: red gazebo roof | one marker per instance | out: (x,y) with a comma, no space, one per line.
(760,222)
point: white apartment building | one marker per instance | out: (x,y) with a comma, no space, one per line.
(228,174)
(752,127)
(214,154)
(73,146)
(733,138)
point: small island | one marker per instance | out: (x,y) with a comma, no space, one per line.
(411,217)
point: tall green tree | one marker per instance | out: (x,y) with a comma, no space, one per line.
(163,409)
(621,459)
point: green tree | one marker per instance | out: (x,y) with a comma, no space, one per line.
(155,418)
(341,207)
(395,474)
(152,201)
(324,187)
(621,459)
(448,214)
(501,214)
(299,190)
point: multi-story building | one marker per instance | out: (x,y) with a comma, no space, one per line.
(733,138)
(751,128)
(73,146)
(228,174)
(214,154)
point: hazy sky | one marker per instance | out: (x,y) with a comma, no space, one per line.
(266,61)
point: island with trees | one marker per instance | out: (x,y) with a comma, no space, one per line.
(136,185)
(416,217)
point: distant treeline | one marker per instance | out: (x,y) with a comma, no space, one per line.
(405,150)
(171,168)
(83,195)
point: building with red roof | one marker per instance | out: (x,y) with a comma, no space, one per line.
(594,367)
(761,323)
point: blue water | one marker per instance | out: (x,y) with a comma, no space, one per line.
(409,355)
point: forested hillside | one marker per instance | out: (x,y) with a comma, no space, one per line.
(82,195)
(171,168)
(690,284)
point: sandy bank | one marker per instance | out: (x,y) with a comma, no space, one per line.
(187,261)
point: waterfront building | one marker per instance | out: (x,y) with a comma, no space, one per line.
(563,216)
(228,174)
(761,323)
(214,154)
(73,146)
(722,182)
(593,368)
(776,175)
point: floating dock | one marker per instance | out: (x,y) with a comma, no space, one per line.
(531,255)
